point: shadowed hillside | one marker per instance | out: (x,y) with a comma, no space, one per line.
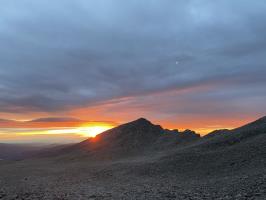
(140,160)
(135,138)
(222,138)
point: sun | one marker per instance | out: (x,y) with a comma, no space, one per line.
(92,130)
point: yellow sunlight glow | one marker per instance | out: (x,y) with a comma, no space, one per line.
(80,132)
(92,131)
(85,130)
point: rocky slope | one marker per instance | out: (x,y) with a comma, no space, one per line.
(140,160)
(222,138)
(135,138)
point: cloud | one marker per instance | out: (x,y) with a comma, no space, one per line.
(56,119)
(58,56)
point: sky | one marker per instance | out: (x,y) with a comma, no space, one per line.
(182,64)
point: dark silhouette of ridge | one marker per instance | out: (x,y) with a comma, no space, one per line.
(221,138)
(141,137)
(255,126)
(217,132)
(133,138)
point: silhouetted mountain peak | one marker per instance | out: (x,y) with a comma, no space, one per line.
(133,138)
(141,126)
(140,122)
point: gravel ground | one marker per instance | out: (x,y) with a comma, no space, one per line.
(139,178)
(217,167)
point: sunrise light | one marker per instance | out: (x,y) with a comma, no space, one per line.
(86,130)
(92,131)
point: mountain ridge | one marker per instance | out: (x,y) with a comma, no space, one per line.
(132,138)
(141,136)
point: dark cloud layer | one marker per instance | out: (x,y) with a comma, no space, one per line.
(59,55)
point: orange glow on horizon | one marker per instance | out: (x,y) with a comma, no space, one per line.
(69,132)
(86,130)
(51,132)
